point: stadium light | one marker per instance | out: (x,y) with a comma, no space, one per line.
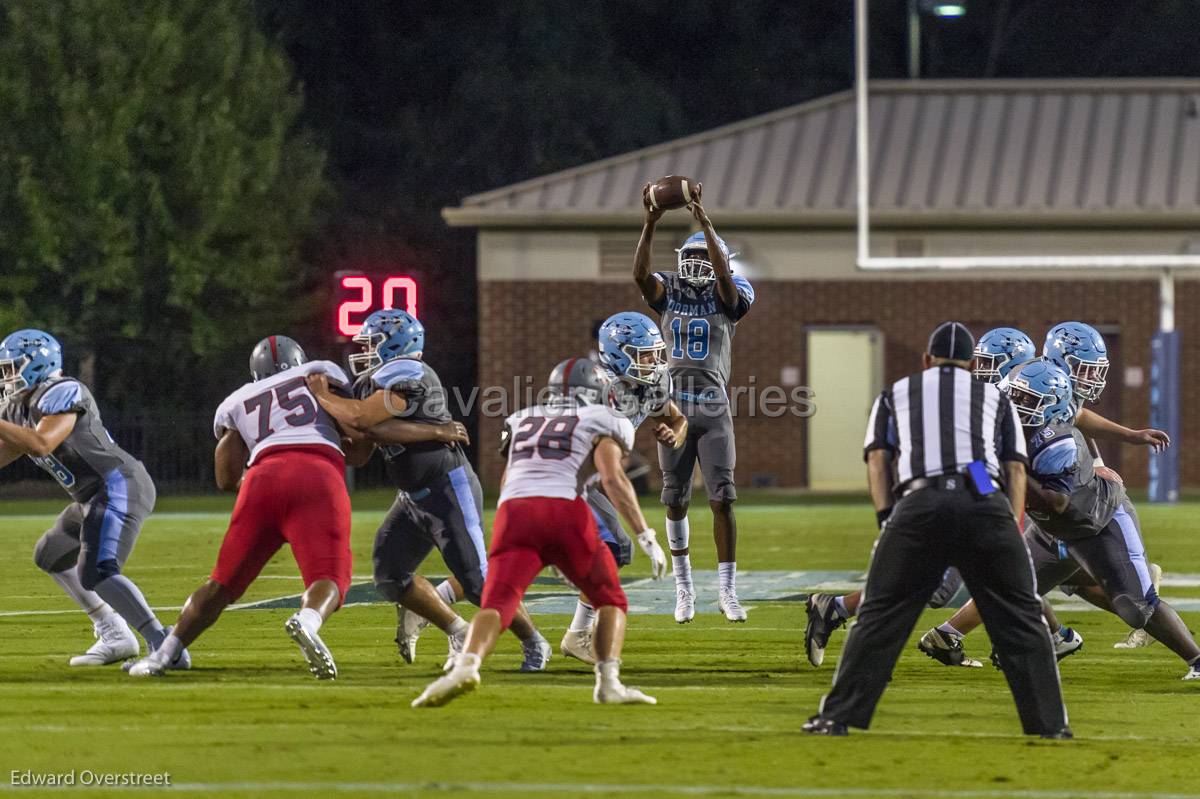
(943,9)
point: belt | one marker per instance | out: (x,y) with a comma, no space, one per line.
(418,495)
(704,396)
(944,482)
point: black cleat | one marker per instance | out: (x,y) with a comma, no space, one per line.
(1063,734)
(946,649)
(823,619)
(819,726)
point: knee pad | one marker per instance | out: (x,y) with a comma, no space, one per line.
(1134,612)
(55,552)
(392,590)
(674,496)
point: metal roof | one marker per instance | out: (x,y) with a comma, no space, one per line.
(942,152)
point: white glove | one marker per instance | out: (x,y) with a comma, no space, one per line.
(658,559)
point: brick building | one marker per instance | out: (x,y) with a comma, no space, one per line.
(959,168)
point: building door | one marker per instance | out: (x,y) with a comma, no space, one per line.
(845,373)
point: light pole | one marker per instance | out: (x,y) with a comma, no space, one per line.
(935,8)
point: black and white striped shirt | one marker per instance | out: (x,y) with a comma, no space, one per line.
(940,420)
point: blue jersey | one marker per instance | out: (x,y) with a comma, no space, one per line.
(88,458)
(699,330)
(1059,459)
(414,466)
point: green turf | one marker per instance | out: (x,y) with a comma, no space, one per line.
(249,720)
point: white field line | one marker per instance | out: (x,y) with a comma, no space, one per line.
(618,789)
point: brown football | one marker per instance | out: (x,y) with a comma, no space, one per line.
(671,192)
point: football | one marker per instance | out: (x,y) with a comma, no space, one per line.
(671,192)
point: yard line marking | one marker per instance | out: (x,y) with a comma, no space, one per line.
(635,788)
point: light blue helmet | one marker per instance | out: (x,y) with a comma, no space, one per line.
(694,265)
(999,350)
(385,336)
(1080,350)
(631,346)
(27,358)
(1040,390)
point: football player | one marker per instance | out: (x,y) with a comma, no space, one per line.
(700,305)
(53,419)
(1079,350)
(1084,519)
(283,455)
(440,501)
(631,348)
(541,520)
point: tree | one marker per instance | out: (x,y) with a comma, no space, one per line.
(155,187)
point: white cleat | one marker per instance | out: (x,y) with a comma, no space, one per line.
(685,602)
(408,630)
(727,603)
(462,678)
(1193,672)
(115,642)
(320,661)
(1068,644)
(536,655)
(579,645)
(610,690)
(149,666)
(454,647)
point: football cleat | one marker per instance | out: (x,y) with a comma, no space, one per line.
(819,726)
(148,666)
(685,602)
(947,649)
(408,630)
(1067,643)
(579,645)
(610,690)
(823,619)
(454,647)
(536,655)
(727,603)
(461,678)
(115,642)
(320,661)
(1193,672)
(1061,734)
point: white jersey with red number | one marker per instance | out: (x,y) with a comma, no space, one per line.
(279,410)
(551,447)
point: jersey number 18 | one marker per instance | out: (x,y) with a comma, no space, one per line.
(693,342)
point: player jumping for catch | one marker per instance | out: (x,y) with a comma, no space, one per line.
(54,420)
(701,304)
(283,456)
(541,520)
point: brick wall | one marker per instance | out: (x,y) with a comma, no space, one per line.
(527,327)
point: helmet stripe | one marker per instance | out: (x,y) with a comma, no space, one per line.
(274,350)
(567,376)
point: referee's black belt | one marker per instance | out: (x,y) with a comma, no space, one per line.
(943,482)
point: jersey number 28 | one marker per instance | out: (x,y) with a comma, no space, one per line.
(549,438)
(693,342)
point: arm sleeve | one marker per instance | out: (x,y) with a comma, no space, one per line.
(65,397)
(1010,438)
(745,298)
(223,420)
(661,305)
(881,426)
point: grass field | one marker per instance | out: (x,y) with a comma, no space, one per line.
(248,720)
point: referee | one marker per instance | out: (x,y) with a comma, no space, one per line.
(943,450)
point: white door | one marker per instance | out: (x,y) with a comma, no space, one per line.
(845,373)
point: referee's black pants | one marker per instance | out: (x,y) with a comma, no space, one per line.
(928,531)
